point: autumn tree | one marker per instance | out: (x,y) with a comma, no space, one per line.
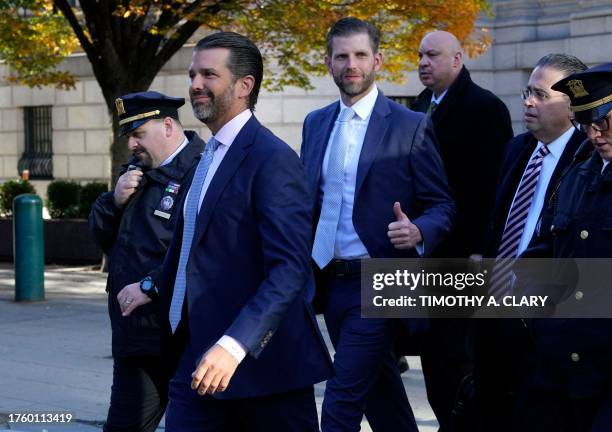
(128,42)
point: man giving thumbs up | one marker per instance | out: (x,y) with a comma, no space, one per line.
(403,233)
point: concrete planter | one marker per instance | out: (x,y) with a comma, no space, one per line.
(67,241)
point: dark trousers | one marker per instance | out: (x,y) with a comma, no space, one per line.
(500,373)
(367,379)
(189,412)
(447,357)
(555,411)
(138,396)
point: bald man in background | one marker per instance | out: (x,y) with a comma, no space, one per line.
(473,126)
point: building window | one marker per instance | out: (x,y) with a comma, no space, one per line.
(38,154)
(403,100)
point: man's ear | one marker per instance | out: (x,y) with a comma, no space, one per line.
(378,60)
(244,86)
(458,59)
(168,126)
(327,61)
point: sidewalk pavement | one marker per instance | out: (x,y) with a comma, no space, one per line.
(55,355)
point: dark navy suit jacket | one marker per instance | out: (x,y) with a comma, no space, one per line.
(249,274)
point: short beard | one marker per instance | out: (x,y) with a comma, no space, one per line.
(355,89)
(216,107)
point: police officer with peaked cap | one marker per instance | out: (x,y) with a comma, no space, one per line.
(571,362)
(134,224)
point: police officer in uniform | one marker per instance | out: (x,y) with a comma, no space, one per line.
(133,224)
(571,363)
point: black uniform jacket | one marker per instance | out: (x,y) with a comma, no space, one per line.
(575,355)
(135,239)
(472,126)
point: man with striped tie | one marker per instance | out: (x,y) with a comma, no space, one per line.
(532,165)
(237,281)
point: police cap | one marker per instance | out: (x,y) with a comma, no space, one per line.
(590,92)
(135,109)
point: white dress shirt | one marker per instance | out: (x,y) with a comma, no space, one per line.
(605,164)
(348,245)
(549,163)
(225,136)
(438,100)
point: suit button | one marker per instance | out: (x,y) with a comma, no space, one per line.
(575,357)
(579,295)
(584,234)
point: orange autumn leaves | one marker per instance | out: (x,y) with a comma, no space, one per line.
(291,33)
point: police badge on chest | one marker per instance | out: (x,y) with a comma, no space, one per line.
(166,204)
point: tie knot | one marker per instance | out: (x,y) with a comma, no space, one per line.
(211,145)
(346,114)
(431,108)
(543,151)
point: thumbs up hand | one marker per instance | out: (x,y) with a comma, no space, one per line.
(402,233)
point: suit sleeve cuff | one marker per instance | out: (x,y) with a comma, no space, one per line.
(232,346)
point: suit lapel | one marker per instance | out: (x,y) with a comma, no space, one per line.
(422,102)
(449,100)
(232,160)
(514,172)
(519,162)
(320,139)
(377,129)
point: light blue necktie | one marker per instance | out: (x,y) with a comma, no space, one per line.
(191,214)
(325,236)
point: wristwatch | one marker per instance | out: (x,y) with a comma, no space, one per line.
(148,287)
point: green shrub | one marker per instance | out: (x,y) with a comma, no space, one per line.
(63,199)
(9,190)
(88,195)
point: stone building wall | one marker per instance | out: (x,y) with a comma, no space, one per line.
(523,30)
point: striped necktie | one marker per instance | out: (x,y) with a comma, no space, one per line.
(515,225)
(191,214)
(325,235)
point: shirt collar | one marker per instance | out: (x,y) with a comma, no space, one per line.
(227,134)
(177,151)
(557,146)
(438,99)
(364,106)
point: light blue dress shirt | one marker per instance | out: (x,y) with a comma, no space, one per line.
(549,163)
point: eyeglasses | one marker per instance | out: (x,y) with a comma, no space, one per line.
(539,95)
(601,125)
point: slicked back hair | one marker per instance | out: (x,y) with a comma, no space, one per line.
(564,63)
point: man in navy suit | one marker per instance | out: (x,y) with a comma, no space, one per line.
(378,190)
(237,281)
(500,344)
